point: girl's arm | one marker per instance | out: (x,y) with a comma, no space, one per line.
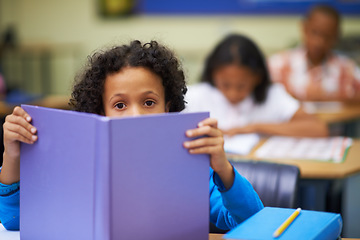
(212,144)
(300,125)
(17,128)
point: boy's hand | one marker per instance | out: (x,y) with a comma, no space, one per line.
(212,143)
(17,128)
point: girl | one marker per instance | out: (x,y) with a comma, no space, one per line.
(236,90)
(132,80)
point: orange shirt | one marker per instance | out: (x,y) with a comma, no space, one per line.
(337,77)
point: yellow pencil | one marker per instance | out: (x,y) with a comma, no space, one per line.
(287,222)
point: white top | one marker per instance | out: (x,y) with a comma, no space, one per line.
(8,235)
(278,107)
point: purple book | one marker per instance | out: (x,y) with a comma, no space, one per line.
(97,178)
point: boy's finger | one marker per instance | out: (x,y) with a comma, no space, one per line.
(19,120)
(204,150)
(210,122)
(202,131)
(19,130)
(201,142)
(18,111)
(21,138)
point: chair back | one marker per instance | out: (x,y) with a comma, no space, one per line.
(275,183)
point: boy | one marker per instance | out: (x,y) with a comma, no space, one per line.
(313,71)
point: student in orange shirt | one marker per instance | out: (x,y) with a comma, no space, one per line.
(314,71)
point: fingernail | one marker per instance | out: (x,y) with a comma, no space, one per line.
(188,133)
(33,130)
(200,124)
(28,118)
(33,137)
(186,144)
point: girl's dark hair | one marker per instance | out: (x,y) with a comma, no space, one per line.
(240,50)
(89,86)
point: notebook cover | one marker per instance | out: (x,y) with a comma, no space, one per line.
(57,176)
(307,225)
(99,178)
(158,190)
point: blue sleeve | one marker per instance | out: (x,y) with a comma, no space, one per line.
(230,207)
(10,205)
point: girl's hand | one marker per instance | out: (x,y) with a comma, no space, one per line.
(17,128)
(212,143)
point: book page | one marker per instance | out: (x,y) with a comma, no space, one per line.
(330,149)
(241,144)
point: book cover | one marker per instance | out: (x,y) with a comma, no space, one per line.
(307,225)
(94,177)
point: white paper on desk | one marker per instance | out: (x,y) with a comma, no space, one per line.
(330,149)
(322,107)
(241,144)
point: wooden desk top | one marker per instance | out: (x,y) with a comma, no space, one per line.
(51,101)
(213,236)
(347,112)
(316,169)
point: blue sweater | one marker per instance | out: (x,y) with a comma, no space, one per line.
(227,207)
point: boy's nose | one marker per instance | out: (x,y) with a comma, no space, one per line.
(134,111)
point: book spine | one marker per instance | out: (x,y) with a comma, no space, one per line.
(102,182)
(332,229)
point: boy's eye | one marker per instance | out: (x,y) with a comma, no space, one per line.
(149,103)
(120,105)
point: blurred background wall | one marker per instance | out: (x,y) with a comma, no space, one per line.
(53,38)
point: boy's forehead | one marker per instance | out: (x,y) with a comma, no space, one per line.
(314,15)
(323,21)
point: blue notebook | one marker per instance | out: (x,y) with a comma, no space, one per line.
(308,225)
(100,178)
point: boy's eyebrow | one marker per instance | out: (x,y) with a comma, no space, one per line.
(151,92)
(145,93)
(117,95)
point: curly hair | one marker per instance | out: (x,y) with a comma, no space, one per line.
(242,51)
(89,86)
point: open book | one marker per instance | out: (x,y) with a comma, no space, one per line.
(100,178)
(241,144)
(331,149)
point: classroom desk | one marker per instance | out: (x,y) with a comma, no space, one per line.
(318,177)
(317,169)
(51,101)
(342,118)
(54,101)
(347,112)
